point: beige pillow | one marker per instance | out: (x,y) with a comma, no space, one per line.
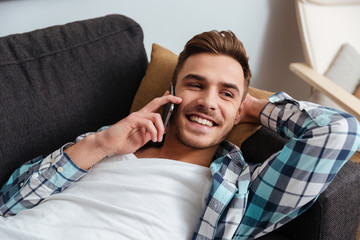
(344,71)
(157,80)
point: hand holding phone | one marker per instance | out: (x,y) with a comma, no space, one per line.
(168,108)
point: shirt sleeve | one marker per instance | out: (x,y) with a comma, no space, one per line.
(320,141)
(39,178)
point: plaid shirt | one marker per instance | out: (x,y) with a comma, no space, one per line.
(245,200)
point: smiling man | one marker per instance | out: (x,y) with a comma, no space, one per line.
(196,185)
(211,88)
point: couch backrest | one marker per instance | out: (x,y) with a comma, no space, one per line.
(59,82)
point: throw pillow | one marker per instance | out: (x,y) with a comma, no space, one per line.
(344,71)
(157,80)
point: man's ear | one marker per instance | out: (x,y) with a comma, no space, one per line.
(239,114)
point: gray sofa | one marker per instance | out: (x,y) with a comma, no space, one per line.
(59,82)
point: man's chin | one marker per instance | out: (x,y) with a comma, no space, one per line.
(200,140)
(198,143)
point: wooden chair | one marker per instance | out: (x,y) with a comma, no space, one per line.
(325,26)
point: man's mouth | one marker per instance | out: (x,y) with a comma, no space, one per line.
(202,121)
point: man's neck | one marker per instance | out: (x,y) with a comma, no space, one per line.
(173,149)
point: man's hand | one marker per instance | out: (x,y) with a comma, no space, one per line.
(251,108)
(132,132)
(126,136)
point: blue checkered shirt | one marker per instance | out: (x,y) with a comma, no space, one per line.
(246,200)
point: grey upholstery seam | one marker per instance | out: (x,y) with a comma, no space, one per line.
(69,48)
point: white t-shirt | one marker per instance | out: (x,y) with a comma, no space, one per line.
(122,197)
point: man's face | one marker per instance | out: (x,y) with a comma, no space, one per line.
(211,87)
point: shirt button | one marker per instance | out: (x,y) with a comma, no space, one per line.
(21,184)
(59,169)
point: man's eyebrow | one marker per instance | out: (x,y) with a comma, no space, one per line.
(230,85)
(194,76)
(223,83)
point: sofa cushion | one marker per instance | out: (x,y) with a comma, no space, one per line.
(62,81)
(157,80)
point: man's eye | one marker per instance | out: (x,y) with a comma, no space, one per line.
(227,94)
(194,85)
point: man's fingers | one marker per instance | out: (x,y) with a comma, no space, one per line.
(150,129)
(148,117)
(157,103)
(159,125)
(152,122)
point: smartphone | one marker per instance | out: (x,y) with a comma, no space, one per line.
(168,108)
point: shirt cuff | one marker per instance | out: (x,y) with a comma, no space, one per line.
(59,170)
(268,116)
(270,113)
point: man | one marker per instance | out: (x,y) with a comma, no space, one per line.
(237,201)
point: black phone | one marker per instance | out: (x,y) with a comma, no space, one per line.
(168,108)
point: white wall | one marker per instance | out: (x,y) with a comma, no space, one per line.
(267,28)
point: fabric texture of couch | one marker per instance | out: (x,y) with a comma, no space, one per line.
(59,82)
(62,81)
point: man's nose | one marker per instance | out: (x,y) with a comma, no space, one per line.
(208,99)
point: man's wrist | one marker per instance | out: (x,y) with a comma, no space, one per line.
(261,103)
(255,109)
(87,152)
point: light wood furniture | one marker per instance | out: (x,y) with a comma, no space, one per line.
(335,92)
(325,25)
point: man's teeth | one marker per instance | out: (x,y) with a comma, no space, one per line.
(201,121)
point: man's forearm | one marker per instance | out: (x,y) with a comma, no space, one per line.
(87,152)
(36,180)
(320,141)
(39,178)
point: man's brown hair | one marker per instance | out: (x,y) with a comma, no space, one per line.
(224,42)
